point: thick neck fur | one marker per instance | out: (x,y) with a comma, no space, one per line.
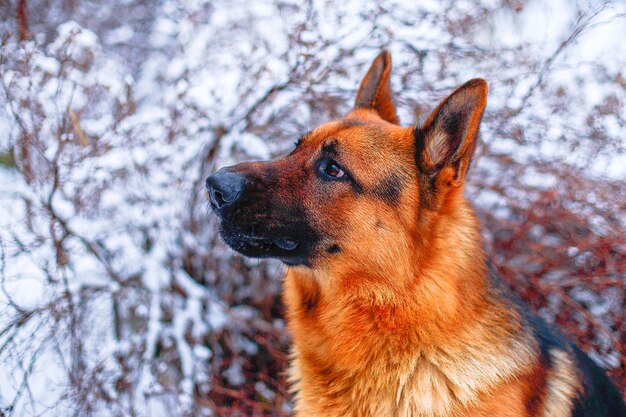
(417,332)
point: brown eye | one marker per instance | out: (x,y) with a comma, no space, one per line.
(334,171)
(330,170)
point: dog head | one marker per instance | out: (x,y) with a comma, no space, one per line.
(355,192)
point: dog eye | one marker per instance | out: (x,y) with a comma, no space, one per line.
(330,170)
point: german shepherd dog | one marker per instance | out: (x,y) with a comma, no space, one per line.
(393,307)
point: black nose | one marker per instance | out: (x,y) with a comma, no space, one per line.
(225,187)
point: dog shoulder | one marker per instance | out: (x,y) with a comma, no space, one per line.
(575,386)
(571,383)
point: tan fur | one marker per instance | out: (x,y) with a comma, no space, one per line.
(562,384)
(421,349)
(401,319)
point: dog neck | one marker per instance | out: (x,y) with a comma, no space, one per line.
(431,318)
(435,269)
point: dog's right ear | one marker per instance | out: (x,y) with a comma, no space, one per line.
(374,92)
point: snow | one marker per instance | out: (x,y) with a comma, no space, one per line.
(121,34)
(234,373)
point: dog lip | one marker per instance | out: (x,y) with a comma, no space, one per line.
(264,243)
(294,261)
(286,243)
(276,244)
(283,243)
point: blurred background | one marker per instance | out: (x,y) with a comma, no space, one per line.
(117,297)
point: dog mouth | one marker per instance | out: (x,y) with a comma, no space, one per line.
(289,250)
(262,244)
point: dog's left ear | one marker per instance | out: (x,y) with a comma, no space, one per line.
(447,140)
(374,92)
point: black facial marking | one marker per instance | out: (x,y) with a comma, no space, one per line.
(356,186)
(330,148)
(333,249)
(389,189)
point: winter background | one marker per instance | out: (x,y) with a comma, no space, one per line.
(117,297)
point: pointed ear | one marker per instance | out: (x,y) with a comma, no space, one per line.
(449,135)
(374,92)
